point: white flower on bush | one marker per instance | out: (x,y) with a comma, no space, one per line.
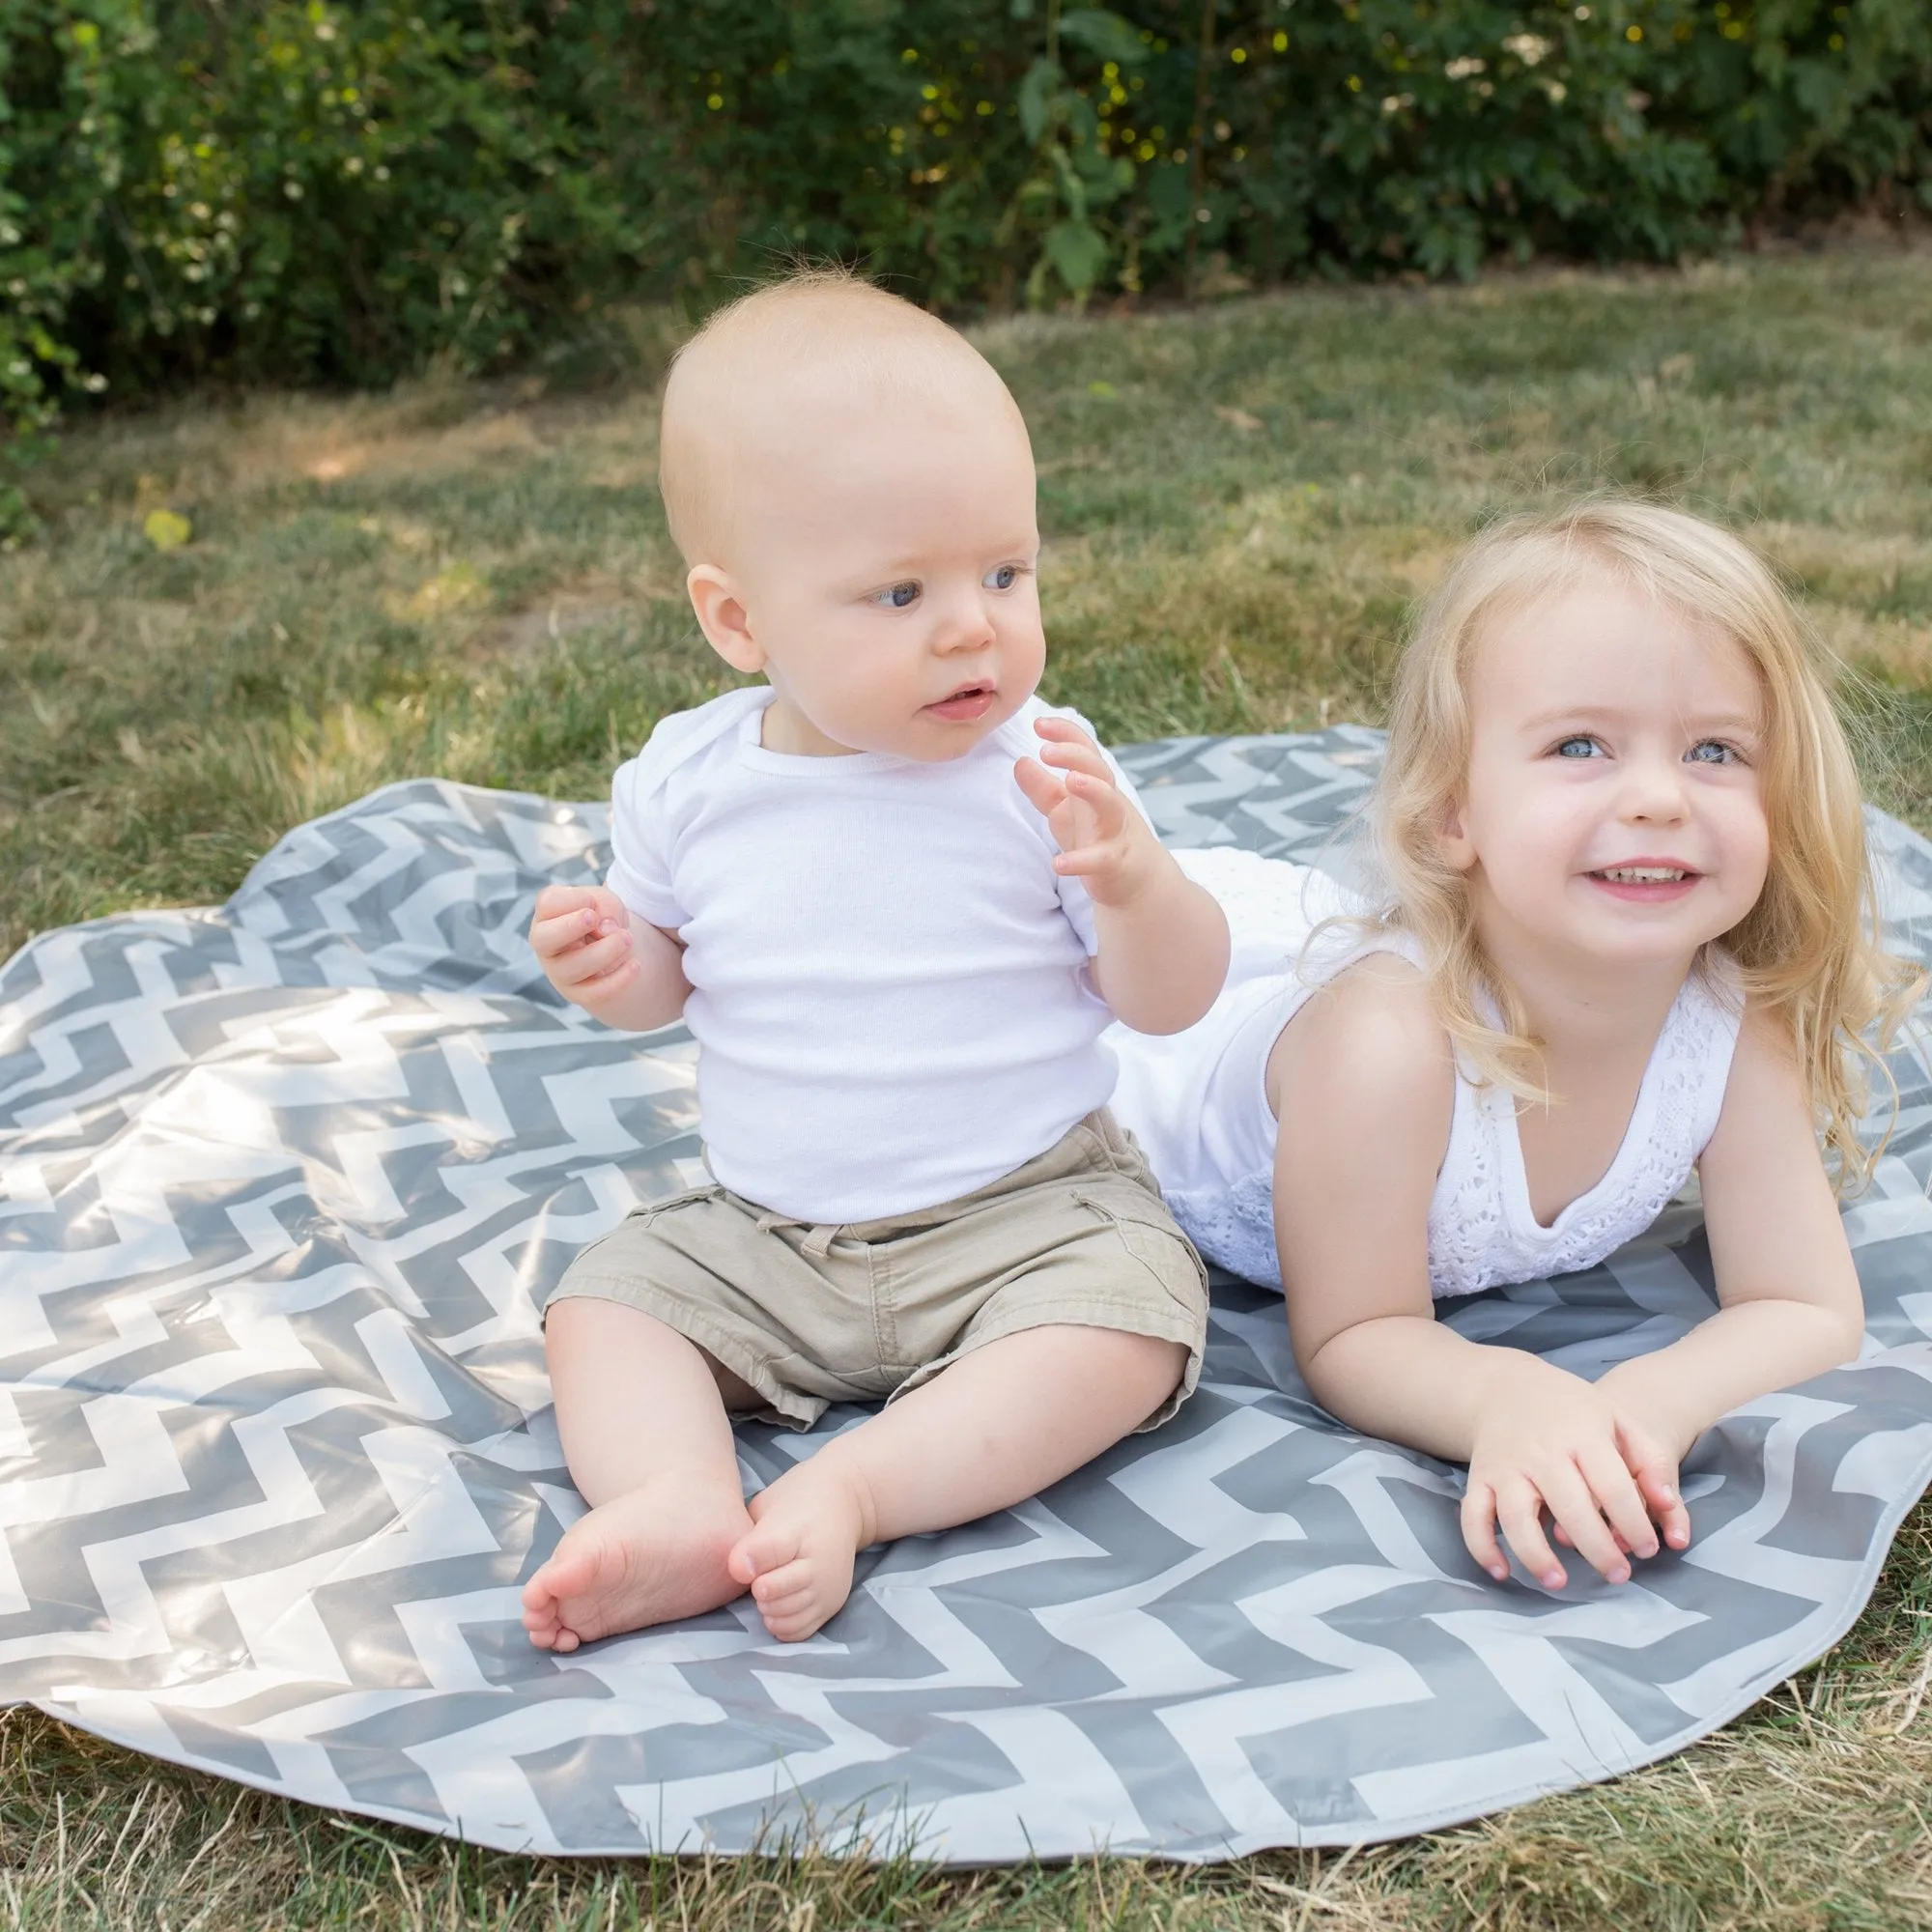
(1528,49)
(1463,66)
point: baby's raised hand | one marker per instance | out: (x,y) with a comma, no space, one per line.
(1556,1443)
(582,937)
(1102,839)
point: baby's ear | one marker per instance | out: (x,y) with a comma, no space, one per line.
(723,618)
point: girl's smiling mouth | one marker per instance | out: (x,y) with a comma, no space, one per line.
(1646,881)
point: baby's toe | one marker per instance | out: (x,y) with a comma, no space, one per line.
(795,1625)
(786,1580)
(768,1548)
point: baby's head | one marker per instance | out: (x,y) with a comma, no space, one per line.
(1632,644)
(852,488)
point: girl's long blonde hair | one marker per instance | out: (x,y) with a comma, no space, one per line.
(1810,949)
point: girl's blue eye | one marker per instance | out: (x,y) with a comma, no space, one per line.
(1001,579)
(1710,751)
(900,596)
(1579,747)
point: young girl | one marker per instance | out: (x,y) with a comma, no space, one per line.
(1626,929)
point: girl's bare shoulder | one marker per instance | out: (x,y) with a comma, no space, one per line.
(1371,1036)
(1764,1066)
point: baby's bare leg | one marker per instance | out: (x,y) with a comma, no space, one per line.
(1000,1425)
(649,1446)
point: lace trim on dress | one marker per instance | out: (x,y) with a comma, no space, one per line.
(1481,1230)
(1234,1227)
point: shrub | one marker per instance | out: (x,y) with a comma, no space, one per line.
(317,192)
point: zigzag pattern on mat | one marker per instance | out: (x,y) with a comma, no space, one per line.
(282,1188)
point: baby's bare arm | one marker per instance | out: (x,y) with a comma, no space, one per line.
(601,957)
(1163,940)
(1163,955)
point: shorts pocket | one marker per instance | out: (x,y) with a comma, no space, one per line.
(1151,1236)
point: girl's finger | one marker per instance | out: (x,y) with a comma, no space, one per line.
(1619,1499)
(1666,1505)
(1654,1470)
(1562,1537)
(1570,1503)
(1520,1508)
(1479,1530)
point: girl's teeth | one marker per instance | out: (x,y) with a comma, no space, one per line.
(1643,875)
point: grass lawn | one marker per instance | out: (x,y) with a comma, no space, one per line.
(1239,504)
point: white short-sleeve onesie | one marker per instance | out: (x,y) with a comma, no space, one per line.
(888,985)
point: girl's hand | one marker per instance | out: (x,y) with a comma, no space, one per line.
(1102,839)
(1653,1447)
(1553,1442)
(582,937)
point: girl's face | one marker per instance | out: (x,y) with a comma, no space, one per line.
(1613,812)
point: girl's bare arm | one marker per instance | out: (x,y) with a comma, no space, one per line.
(1790,1305)
(1364,1087)
(1364,1084)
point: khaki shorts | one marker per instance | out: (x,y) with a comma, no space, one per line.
(809,1315)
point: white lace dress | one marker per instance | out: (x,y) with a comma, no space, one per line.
(1197,1103)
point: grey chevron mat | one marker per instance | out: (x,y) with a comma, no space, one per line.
(281,1189)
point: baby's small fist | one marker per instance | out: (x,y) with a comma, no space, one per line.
(571,918)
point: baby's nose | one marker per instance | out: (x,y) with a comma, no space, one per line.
(964,627)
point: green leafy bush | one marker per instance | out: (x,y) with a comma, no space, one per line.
(319,193)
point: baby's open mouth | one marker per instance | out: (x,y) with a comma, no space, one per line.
(1643,875)
(969,701)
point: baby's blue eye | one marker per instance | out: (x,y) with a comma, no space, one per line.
(1001,579)
(900,596)
(1579,747)
(1710,751)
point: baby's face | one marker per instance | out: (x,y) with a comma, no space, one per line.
(885,557)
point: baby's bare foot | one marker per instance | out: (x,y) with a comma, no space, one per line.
(797,1561)
(643,1559)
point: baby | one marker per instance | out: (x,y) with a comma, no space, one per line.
(896,899)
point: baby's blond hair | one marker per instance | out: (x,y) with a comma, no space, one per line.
(814,332)
(1810,949)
